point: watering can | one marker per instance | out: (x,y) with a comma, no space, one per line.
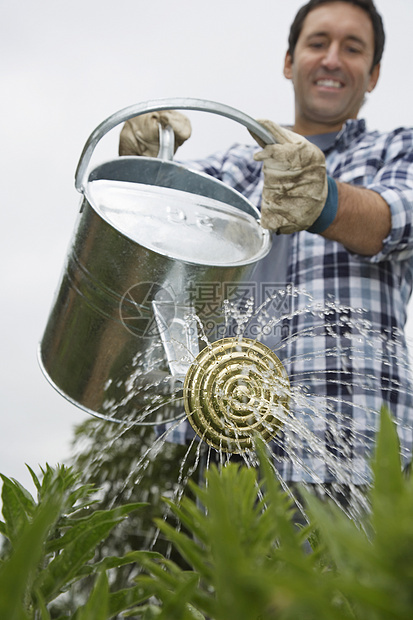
(152,237)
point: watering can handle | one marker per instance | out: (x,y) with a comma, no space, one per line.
(166,142)
(163,104)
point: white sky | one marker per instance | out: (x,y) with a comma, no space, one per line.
(69,65)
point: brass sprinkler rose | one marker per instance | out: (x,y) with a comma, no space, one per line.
(235,389)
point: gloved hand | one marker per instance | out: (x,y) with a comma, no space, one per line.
(140,135)
(295,184)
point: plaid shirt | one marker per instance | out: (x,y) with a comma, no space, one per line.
(342,340)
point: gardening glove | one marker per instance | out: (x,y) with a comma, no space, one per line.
(140,135)
(297,193)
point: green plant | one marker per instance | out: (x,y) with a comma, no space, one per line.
(249,562)
(247,559)
(51,544)
(126,464)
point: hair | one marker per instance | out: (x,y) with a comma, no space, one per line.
(366,5)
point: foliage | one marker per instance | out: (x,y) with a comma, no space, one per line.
(126,463)
(241,554)
(51,544)
(248,560)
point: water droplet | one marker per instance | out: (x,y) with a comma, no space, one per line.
(175,215)
(204,221)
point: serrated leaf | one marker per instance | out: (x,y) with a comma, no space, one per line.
(78,527)
(66,567)
(78,546)
(80,498)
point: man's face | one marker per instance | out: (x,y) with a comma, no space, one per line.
(331,69)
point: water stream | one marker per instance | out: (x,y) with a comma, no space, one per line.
(324,440)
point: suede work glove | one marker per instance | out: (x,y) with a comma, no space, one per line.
(140,135)
(297,193)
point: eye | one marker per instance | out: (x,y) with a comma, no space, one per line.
(354,46)
(318,45)
(353,50)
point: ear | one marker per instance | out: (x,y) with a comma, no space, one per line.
(374,76)
(288,66)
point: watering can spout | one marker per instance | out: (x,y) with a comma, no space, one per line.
(178,331)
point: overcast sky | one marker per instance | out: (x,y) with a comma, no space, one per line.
(67,66)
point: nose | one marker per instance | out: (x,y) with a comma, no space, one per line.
(331,59)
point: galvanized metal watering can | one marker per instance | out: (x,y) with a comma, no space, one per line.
(151,238)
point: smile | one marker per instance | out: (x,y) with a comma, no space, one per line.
(329,83)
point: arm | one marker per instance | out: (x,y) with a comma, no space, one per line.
(372,218)
(362,222)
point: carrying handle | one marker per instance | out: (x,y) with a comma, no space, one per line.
(125,114)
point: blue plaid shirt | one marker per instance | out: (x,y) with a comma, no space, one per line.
(342,340)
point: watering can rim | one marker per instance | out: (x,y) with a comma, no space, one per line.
(253,214)
(153,161)
(83,175)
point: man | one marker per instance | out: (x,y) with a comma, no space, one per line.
(343,196)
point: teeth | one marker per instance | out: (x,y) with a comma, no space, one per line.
(329,83)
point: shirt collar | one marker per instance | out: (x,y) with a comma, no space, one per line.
(351,130)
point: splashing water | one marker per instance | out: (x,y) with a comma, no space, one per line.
(324,438)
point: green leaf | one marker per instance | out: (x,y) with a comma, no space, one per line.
(348,545)
(79,526)
(188,548)
(279,504)
(189,515)
(66,566)
(35,479)
(18,505)
(97,606)
(126,598)
(17,572)
(389,489)
(176,605)
(387,469)
(166,575)
(144,612)
(78,546)
(44,613)
(130,558)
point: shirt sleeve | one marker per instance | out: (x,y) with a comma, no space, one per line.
(394,182)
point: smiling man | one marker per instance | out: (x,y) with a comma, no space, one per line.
(341,197)
(333,64)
